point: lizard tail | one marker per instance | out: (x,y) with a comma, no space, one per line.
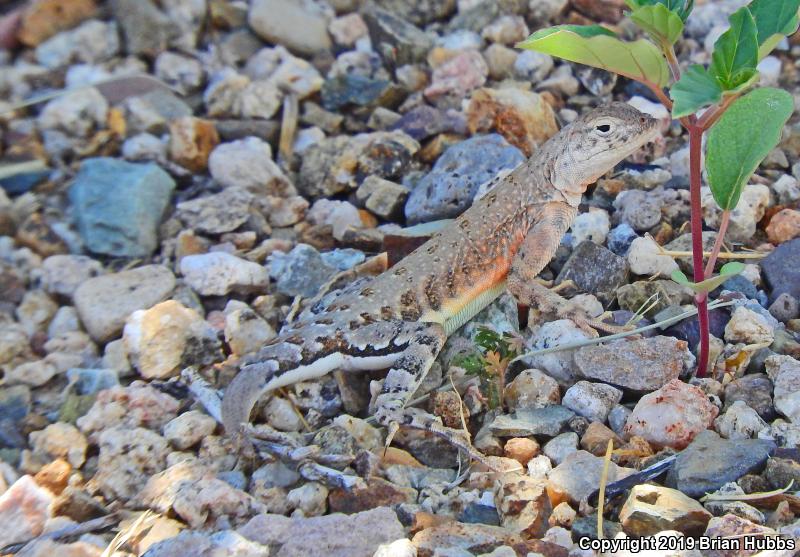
(243,393)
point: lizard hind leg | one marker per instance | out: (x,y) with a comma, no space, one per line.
(404,377)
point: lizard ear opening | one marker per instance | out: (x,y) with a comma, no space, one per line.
(603,128)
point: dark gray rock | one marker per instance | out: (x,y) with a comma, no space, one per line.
(301,272)
(448,189)
(398,41)
(785,307)
(620,239)
(475,513)
(755,390)
(709,462)
(550,421)
(15,402)
(586,527)
(119,205)
(781,269)
(426,121)
(357,90)
(780,472)
(419,12)
(595,270)
(146,29)
(689,329)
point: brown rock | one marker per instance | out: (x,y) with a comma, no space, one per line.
(377,493)
(650,509)
(784,226)
(595,439)
(521,449)
(78,505)
(54,476)
(523,504)
(44,18)
(540,547)
(447,405)
(732,527)
(522,117)
(36,234)
(191,142)
(609,11)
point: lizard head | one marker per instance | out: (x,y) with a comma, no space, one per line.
(594,143)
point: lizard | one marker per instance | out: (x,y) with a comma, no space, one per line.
(400,319)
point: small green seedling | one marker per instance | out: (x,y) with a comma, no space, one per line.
(743,124)
(490,364)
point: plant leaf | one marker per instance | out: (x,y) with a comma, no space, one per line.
(727,271)
(663,25)
(775,19)
(695,89)
(598,47)
(681,8)
(736,50)
(742,138)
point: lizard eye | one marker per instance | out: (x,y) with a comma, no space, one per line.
(604,128)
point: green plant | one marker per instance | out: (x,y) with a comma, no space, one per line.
(496,352)
(743,124)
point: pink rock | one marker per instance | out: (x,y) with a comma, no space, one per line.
(784,226)
(671,416)
(458,76)
(24,509)
(136,405)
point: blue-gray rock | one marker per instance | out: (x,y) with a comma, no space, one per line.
(781,269)
(620,239)
(343,259)
(739,284)
(398,41)
(89,381)
(755,390)
(301,272)
(425,121)
(119,205)
(359,90)
(689,329)
(448,189)
(709,462)
(15,402)
(235,478)
(595,270)
(24,182)
(475,513)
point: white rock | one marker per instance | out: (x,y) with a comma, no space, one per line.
(63,274)
(531,389)
(400,548)
(787,189)
(558,365)
(341,215)
(65,320)
(785,374)
(310,499)
(105,302)
(260,99)
(144,147)
(561,446)
(592,400)
(296,75)
(35,311)
(744,218)
(282,415)
(218,273)
(593,226)
(347,29)
(92,41)
(299,26)
(115,356)
(188,429)
(246,331)
(78,113)
(34,374)
(163,339)
(24,510)
(749,327)
(770,70)
(740,422)
(247,163)
(222,92)
(645,259)
(307,138)
(679,163)
(183,73)
(61,440)
(539,466)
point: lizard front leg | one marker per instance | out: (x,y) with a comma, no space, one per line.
(536,251)
(405,376)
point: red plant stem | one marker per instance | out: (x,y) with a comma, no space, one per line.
(723,228)
(695,183)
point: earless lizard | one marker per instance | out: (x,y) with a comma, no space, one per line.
(400,319)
